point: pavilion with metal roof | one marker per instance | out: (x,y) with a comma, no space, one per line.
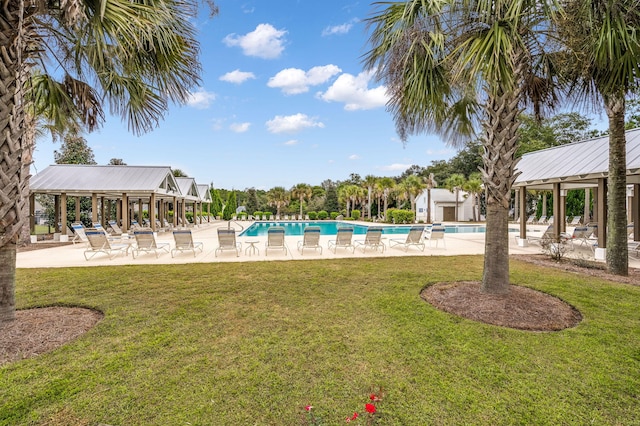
(126,186)
(583,164)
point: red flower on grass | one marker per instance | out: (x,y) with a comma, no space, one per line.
(370,408)
(308,407)
(355,416)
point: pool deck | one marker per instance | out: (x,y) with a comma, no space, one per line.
(456,244)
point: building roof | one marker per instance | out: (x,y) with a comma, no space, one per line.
(106,181)
(576,165)
(205,194)
(188,188)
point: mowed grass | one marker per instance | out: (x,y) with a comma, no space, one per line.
(252,343)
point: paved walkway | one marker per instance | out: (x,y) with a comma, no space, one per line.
(455,244)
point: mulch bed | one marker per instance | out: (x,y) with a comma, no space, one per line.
(522,308)
(40,330)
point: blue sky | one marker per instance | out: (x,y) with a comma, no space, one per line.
(284,100)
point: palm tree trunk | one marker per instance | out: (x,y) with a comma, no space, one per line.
(14,175)
(617,249)
(429,205)
(498,174)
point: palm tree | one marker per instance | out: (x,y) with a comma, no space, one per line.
(415,185)
(387,184)
(605,62)
(278,197)
(454,183)
(350,194)
(369,183)
(473,186)
(431,183)
(135,57)
(302,191)
(452,67)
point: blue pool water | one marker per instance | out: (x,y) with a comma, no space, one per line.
(329,227)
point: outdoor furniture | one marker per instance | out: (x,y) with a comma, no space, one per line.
(580,233)
(115,228)
(372,239)
(414,238)
(275,240)
(575,221)
(310,239)
(227,241)
(80,235)
(343,239)
(541,220)
(146,242)
(436,233)
(251,248)
(184,242)
(99,243)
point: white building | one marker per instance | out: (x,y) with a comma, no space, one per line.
(443,206)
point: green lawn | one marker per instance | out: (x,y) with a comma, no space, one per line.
(253,343)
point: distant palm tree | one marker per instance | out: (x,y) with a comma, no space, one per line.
(431,183)
(454,183)
(302,191)
(369,184)
(386,184)
(415,185)
(278,197)
(473,186)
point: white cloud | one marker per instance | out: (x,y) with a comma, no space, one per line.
(395,167)
(201,99)
(293,81)
(354,157)
(237,76)
(337,29)
(353,91)
(291,142)
(292,123)
(265,42)
(240,127)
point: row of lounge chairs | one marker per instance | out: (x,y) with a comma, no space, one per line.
(544,220)
(344,240)
(144,242)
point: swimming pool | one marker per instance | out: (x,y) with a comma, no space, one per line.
(329,227)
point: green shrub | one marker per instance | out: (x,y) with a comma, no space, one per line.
(400,216)
(257,215)
(312,215)
(355,214)
(333,215)
(322,215)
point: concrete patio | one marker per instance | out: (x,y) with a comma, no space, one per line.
(456,244)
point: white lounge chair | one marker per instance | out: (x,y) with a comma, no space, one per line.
(146,242)
(436,233)
(275,240)
(310,239)
(80,235)
(227,241)
(184,242)
(414,238)
(373,239)
(343,239)
(99,243)
(575,221)
(115,228)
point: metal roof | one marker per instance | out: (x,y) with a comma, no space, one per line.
(205,194)
(108,181)
(576,165)
(188,188)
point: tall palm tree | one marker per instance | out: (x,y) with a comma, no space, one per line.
(605,62)
(456,66)
(415,185)
(302,191)
(473,186)
(387,184)
(454,183)
(278,197)
(369,183)
(431,183)
(132,55)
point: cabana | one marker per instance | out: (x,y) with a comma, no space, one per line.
(579,165)
(191,195)
(126,186)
